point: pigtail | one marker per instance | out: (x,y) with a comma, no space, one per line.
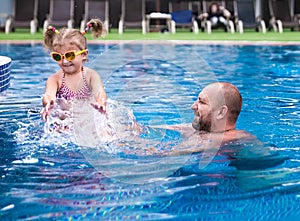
(49,36)
(97,27)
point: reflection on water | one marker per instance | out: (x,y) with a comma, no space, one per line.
(46,174)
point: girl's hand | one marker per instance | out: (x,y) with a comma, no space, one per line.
(99,107)
(46,111)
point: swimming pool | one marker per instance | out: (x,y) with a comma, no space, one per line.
(50,177)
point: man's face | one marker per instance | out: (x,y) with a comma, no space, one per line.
(204,108)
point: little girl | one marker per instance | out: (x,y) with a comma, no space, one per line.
(73,81)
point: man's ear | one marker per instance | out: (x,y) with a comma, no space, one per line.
(222,112)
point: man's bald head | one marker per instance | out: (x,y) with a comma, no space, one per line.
(217,108)
(227,94)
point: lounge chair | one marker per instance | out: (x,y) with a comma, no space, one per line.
(3,18)
(246,16)
(182,16)
(206,24)
(180,5)
(297,7)
(133,15)
(6,10)
(282,15)
(96,9)
(61,14)
(25,15)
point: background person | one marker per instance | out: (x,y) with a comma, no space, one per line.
(218,16)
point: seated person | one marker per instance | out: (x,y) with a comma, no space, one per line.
(218,16)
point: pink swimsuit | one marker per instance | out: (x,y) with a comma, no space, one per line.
(68,94)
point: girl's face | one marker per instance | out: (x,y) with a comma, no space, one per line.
(73,66)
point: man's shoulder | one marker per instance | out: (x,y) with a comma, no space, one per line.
(237,135)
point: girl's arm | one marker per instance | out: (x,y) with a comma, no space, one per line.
(98,91)
(49,96)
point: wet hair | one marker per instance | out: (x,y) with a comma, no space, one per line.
(233,100)
(54,38)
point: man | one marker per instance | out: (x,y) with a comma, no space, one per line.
(213,133)
(215,115)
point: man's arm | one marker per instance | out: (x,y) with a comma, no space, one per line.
(185,129)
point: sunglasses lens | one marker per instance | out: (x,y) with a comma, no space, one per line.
(70,55)
(56,56)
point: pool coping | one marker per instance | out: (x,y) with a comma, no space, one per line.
(187,42)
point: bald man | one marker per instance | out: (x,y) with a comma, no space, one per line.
(213,132)
(216,111)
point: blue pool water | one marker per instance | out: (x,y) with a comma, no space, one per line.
(51,176)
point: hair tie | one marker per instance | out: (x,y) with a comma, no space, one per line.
(87,28)
(54,30)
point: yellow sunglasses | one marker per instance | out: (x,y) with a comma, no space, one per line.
(69,55)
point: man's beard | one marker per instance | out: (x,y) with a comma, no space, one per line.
(202,124)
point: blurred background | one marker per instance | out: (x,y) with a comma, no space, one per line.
(9,9)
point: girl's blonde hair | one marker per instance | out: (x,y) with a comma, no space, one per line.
(54,38)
